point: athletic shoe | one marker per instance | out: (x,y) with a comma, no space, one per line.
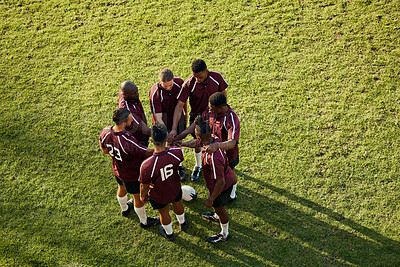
(170,237)
(196,173)
(209,215)
(181,172)
(183,226)
(231,200)
(130,207)
(150,222)
(218,238)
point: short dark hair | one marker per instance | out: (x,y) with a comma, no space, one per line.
(198,66)
(128,87)
(159,134)
(120,116)
(217,99)
(202,126)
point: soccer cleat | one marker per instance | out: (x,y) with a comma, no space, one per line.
(209,215)
(196,173)
(170,237)
(218,238)
(130,207)
(181,172)
(183,226)
(150,222)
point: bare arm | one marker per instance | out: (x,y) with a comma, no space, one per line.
(177,115)
(187,131)
(227,145)
(144,129)
(144,189)
(191,143)
(219,186)
(158,118)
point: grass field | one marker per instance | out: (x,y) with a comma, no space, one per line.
(314,83)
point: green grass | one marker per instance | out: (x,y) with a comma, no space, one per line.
(316,87)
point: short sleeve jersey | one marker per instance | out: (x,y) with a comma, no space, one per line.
(126,153)
(226,127)
(216,166)
(198,93)
(164,101)
(138,115)
(161,172)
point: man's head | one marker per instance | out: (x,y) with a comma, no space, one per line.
(122,117)
(166,79)
(202,130)
(159,134)
(200,71)
(217,103)
(129,90)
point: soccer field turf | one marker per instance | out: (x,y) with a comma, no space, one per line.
(314,83)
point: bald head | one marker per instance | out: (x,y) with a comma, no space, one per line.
(129,90)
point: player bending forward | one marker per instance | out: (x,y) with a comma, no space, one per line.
(127,155)
(160,180)
(218,176)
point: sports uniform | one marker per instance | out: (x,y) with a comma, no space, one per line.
(127,155)
(161,172)
(216,166)
(164,101)
(227,127)
(198,93)
(138,115)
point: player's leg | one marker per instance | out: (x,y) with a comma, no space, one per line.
(232,165)
(122,198)
(179,211)
(224,222)
(197,167)
(181,128)
(166,223)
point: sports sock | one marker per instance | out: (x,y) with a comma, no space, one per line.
(180,164)
(141,213)
(224,227)
(197,157)
(216,216)
(180,218)
(168,228)
(122,202)
(233,192)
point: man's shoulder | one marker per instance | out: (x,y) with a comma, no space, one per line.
(189,81)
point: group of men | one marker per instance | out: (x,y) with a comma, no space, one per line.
(155,175)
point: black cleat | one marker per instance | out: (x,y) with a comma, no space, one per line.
(209,215)
(130,207)
(195,174)
(218,238)
(183,226)
(181,172)
(170,237)
(150,222)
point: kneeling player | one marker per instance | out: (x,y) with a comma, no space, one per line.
(218,176)
(160,180)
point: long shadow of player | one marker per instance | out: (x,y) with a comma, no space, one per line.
(344,239)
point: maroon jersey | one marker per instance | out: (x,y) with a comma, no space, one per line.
(216,166)
(163,101)
(161,172)
(226,126)
(126,153)
(136,108)
(200,92)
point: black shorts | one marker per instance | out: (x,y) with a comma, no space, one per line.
(223,198)
(158,206)
(234,163)
(131,187)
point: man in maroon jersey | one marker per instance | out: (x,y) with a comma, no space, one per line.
(218,176)
(225,124)
(128,98)
(127,155)
(198,88)
(160,181)
(163,99)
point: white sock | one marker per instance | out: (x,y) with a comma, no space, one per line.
(216,216)
(224,228)
(180,164)
(168,228)
(180,218)
(141,213)
(197,157)
(122,202)
(233,192)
